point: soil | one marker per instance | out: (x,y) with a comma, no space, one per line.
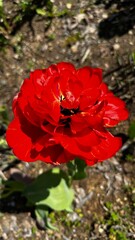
(94,33)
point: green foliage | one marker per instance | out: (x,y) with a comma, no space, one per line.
(41,12)
(60,13)
(108,205)
(42,216)
(119,235)
(25,11)
(111,220)
(131,130)
(4,115)
(130,158)
(112,217)
(51,37)
(1,3)
(59,198)
(77,169)
(11,186)
(3,40)
(3,143)
(3,17)
(54,13)
(132,58)
(72,39)
(24,5)
(50,189)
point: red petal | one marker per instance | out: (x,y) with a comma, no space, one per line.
(107,148)
(20,140)
(64,137)
(27,87)
(56,155)
(104,89)
(43,141)
(70,143)
(70,89)
(66,65)
(115,102)
(77,123)
(94,116)
(27,110)
(115,111)
(53,70)
(91,161)
(75,87)
(87,138)
(89,98)
(91,77)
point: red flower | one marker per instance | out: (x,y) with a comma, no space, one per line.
(61,113)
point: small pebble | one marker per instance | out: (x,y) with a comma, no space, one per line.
(101,230)
(131,43)
(69,5)
(74,48)
(92,29)
(130,32)
(16,56)
(116,46)
(38,37)
(106,65)
(41,171)
(91,16)
(104,15)
(4,236)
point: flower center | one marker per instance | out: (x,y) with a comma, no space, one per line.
(68,112)
(65,122)
(65,119)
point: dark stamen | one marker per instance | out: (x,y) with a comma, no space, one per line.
(68,112)
(65,122)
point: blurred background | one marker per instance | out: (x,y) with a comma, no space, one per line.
(97,33)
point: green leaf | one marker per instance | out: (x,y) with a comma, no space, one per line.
(50,189)
(60,197)
(133,57)
(1,3)
(114,216)
(42,218)
(41,12)
(4,114)
(77,169)
(120,235)
(61,13)
(10,187)
(131,130)
(3,144)
(81,169)
(108,205)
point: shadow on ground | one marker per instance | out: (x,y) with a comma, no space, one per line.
(120,20)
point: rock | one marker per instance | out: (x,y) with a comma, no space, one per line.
(116,46)
(69,5)
(92,29)
(74,48)
(104,15)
